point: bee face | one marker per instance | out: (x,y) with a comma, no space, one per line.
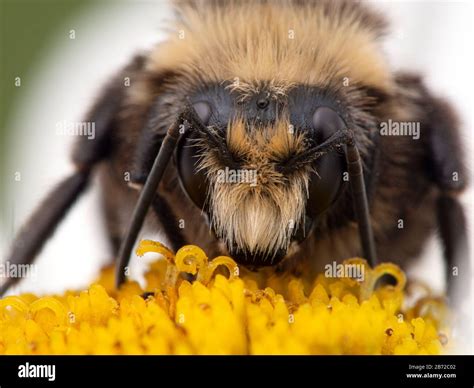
(268,88)
(255,195)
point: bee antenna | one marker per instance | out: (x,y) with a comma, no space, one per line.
(356,177)
(361,205)
(149,190)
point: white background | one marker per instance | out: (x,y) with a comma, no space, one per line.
(434,38)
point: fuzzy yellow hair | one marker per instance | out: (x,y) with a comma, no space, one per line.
(272,207)
(282,41)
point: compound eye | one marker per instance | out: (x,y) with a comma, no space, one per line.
(192,180)
(326,122)
(203,110)
(326,186)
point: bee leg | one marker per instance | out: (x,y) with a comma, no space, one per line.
(43,222)
(452,231)
(112,223)
(169,222)
(88,152)
(447,169)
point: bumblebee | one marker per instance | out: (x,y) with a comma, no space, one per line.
(293,93)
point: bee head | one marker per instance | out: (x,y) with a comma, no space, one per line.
(249,171)
(269,82)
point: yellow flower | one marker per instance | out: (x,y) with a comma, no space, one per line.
(240,313)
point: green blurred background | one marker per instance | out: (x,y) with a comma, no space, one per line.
(26,29)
